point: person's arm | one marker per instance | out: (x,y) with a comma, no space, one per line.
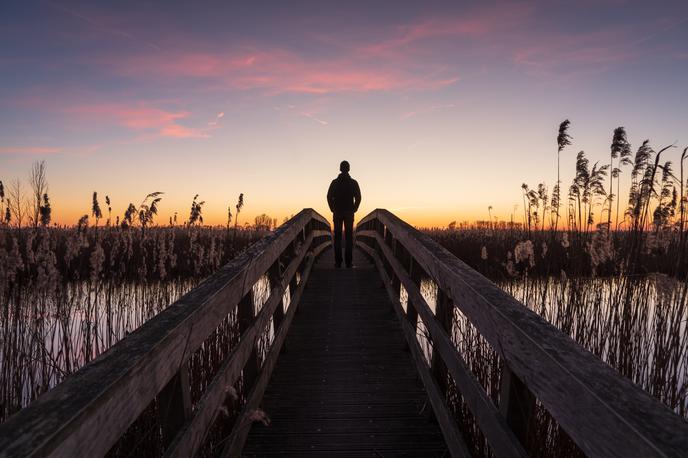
(330,197)
(357,196)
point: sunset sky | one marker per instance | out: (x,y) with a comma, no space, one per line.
(442,108)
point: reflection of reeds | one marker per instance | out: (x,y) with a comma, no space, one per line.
(69,294)
(636,325)
(619,293)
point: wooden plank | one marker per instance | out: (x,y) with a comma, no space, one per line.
(243,423)
(452,436)
(500,437)
(192,434)
(604,413)
(91,409)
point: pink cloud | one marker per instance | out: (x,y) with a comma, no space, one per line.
(141,117)
(389,63)
(178,131)
(382,65)
(279,71)
(476,24)
(146,118)
(30,150)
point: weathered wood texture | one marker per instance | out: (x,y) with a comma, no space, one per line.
(604,413)
(455,443)
(90,410)
(191,435)
(494,427)
(240,430)
(345,386)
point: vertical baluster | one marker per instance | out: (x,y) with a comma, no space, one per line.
(304,231)
(246,316)
(444,310)
(381,230)
(402,255)
(174,404)
(396,283)
(275,276)
(415,272)
(388,237)
(517,405)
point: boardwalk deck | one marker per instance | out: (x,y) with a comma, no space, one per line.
(346,385)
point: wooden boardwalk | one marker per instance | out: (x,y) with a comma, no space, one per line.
(346,375)
(346,384)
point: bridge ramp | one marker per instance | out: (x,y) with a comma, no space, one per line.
(346,384)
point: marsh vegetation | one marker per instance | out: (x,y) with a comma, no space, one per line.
(610,275)
(69,293)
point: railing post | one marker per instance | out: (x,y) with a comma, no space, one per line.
(396,282)
(443,313)
(245,317)
(275,277)
(381,230)
(174,404)
(517,405)
(411,312)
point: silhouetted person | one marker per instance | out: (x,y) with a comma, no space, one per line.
(343,197)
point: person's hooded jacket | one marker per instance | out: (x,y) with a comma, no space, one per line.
(344,195)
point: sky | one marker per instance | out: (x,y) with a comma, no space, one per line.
(442,108)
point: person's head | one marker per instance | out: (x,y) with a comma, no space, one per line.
(344,167)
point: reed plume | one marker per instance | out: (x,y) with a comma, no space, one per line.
(563,139)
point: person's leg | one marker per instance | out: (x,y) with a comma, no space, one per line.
(349,238)
(337,220)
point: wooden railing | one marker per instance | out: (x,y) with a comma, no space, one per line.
(89,412)
(604,413)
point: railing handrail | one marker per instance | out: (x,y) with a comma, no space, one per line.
(93,407)
(602,411)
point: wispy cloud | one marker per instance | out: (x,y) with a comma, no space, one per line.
(311,116)
(216,122)
(411,114)
(141,117)
(29,150)
(277,71)
(311,112)
(573,54)
(179,131)
(474,25)
(101,25)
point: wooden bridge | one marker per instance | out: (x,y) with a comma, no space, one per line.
(346,362)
